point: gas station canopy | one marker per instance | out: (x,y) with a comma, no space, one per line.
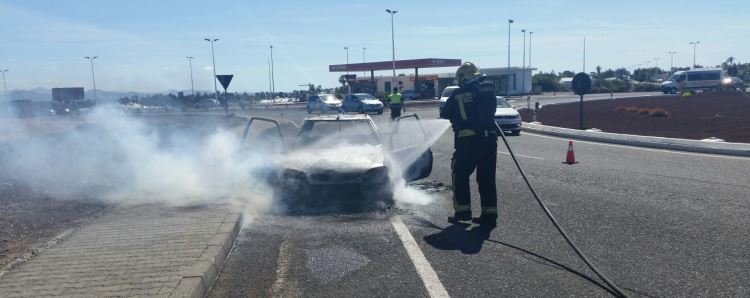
(400,64)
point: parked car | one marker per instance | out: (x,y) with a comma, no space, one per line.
(362,103)
(447,92)
(323,103)
(507,117)
(409,95)
(207,103)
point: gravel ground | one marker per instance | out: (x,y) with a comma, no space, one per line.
(701,116)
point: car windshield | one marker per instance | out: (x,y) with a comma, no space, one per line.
(501,103)
(330,133)
(447,92)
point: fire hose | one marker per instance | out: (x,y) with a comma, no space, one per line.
(613,289)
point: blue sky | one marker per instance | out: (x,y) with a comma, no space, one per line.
(142,44)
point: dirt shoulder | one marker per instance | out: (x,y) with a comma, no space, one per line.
(720,115)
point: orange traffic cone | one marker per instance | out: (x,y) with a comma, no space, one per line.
(571,157)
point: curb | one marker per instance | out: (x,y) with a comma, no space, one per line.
(723,148)
(198,279)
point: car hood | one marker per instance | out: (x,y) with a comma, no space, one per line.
(506,112)
(332,102)
(343,158)
(372,102)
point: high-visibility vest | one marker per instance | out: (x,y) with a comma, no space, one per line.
(395,98)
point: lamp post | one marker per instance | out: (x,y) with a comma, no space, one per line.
(93,77)
(530,71)
(273,78)
(192,86)
(695,45)
(523,64)
(213,59)
(5,86)
(656,62)
(348,86)
(671,60)
(364,73)
(347,59)
(507,89)
(393,47)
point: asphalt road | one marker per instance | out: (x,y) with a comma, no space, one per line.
(658,223)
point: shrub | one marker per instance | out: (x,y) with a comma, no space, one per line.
(658,112)
(646,87)
(644,111)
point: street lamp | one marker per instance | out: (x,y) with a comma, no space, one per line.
(523,63)
(93,78)
(364,73)
(347,59)
(507,89)
(213,59)
(695,44)
(273,78)
(530,71)
(192,86)
(671,60)
(5,86)
(656,62)
(393,47)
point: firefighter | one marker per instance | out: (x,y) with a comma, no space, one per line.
(394,99)
(471,111)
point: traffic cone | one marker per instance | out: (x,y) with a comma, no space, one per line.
(571,157)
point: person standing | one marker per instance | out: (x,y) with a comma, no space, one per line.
(471,111)
(396,104)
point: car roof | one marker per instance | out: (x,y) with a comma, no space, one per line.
(358,94)
(339,117)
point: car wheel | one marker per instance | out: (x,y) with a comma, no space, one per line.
(360,110)
(515,132)
(380,112)
(309,111)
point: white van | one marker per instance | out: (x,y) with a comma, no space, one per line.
(696,79)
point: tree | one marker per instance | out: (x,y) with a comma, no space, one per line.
(547,81)
(598,71)
(567,74)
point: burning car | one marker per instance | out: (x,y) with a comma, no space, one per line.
(342,160)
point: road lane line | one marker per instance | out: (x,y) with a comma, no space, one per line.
(430,279)
(283,287)
(520,155)
(638,148)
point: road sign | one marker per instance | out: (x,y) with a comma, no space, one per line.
(225,80)
(581,83)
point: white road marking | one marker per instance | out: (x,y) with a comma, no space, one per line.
(521,155)
(430,279)
(283,287)
(639,148)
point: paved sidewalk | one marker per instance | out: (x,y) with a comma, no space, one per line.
(144,250)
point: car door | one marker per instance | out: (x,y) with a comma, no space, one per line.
(263,138)
(410,148)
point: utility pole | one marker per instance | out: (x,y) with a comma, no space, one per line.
(695,45)
(270,85)
(93,77)
(213,59)
(507,89)
(5,85)
(364,73)
(584,54)
(393,48)
(273,78)
(671,60)
(192,86)
(523,63)
(531,72)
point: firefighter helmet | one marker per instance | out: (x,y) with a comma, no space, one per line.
(466,72)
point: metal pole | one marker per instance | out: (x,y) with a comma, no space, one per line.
(671,60)
(531,72)
(213,59)
(364,73)
(347,59)
(192,85)
(93,77)
(523,63)
(273,78)
(393,48)
(270,87)
(5,86)
(584,54)
(507,89)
